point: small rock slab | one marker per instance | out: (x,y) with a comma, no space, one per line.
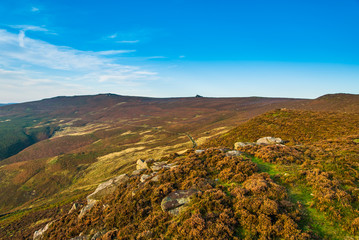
(155,178)
(138,172)
(142,164)
(243,144)
(157,166)
(269,140)
(75,207)
(145,177)
(107,187)
(199,151)
(177,199)
(98,235)
(87,208)
(38,234)
(233,153)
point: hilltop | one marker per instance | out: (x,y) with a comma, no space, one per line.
(79,142)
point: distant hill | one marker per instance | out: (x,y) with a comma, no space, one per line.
(34,121)
(4,104)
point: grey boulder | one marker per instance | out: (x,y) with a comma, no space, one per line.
(269,140)
(174,202)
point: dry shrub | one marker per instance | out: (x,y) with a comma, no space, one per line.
(222,209)
(264,211)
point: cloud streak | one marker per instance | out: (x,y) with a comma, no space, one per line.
(22,38)
(115,52)
(35,9)
(128,41)
(51,70)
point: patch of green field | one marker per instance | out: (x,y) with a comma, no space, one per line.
(269,168)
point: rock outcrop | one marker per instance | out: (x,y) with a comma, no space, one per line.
(38,234)
(142,164)
(270,140)
(102,190)
(107,187)
(175,201)
(137,172)
(233,153)
(199,151)
(87,208)
(74,208)
(243,144)
(144,177)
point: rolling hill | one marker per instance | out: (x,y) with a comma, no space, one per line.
(56,151)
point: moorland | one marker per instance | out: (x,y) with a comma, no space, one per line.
(55,152)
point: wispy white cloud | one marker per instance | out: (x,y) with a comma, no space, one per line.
(49,70)
(115,52)
(35,9)
(29,28)
(21,38)
(156,57)
(182,56)
(128,41)
(112,36)
(23,29)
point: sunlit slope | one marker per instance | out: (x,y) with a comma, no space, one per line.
(293,126)
(96,137)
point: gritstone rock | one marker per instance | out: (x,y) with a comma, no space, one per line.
(142,164)
(269,140)
(177,199)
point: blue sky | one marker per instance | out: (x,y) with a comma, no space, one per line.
(296,48)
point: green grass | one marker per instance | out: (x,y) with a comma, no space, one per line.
(269,168)
(356,140)
(312,219)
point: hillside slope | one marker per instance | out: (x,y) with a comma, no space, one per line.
(92,143)
(293,191)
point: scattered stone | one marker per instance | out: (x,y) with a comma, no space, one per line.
(155,178)
(224,150)
(243,144)
(233,153)
(199,151)
(98,235)
(87,208)
(138,172)
(177,199)
(38,234)
(107,187)
(75,207)
(141,164)
(102,190)
(157,166)
(160,163)
(172,165)
(269,140)
(177,210)
(144,177)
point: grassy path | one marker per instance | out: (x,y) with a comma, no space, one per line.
(312,219)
